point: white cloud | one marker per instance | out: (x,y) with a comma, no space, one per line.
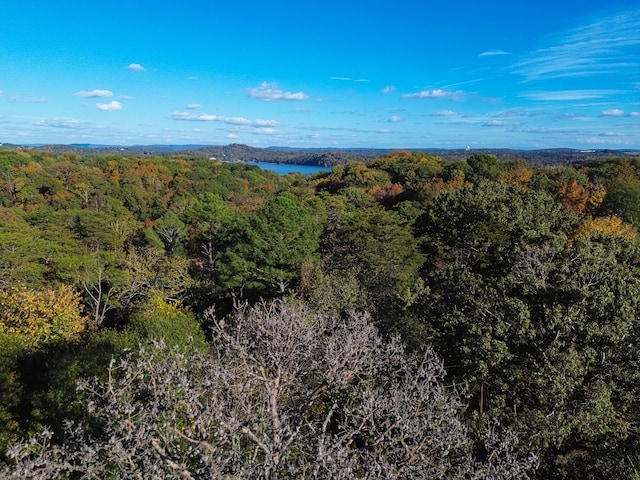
(265,131)
(388,89)
(435,93)
(606,139)
(136,67)
(238,121)
(1,92)
(109,107)
(265,123)
(446,113)
(94,93)
(493,53)
(342,79)
(614,112)
(394,119)
(232,135)
(269,92)
(495,123)
(634,114)
(193,106)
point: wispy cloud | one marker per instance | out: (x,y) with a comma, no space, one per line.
(19,99)
(388,89)
(66,123)
(238,121)
(94,93)
(493,53)
(569,95)
(193,106)
(607,46)
(435,93)
(394,119)
(136,67)
(543,130)
(269,92)
(341,79)
(109,107)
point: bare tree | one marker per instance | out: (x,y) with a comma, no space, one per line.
(284,393)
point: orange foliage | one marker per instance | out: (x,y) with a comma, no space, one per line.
(388,191)
(573,196)
(62,195)
(399,156)
(580,198)
(33,168)
(518,174)
(437,185)
(115,173)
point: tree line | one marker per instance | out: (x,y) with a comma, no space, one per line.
(136,293)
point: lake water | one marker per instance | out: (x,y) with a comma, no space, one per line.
(284,168)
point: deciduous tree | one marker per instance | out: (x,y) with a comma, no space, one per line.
(284,394)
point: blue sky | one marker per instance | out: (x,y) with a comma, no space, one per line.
(402,74)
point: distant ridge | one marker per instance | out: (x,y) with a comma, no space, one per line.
(326,157)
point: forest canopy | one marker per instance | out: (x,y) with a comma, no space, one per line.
(136,292)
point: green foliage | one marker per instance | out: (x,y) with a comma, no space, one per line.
(376,248)
(10,391)
(535,326)
(623,199)
(483,167)
(488,224)
(168,321)
(266,253)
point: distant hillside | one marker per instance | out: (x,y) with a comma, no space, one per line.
(327,157)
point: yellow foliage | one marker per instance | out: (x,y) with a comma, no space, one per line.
(611,225)
(164,307)
(596,195)
(40,316)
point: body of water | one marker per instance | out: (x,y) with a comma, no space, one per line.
(284,168)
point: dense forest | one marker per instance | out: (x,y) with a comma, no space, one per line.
(408,317)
